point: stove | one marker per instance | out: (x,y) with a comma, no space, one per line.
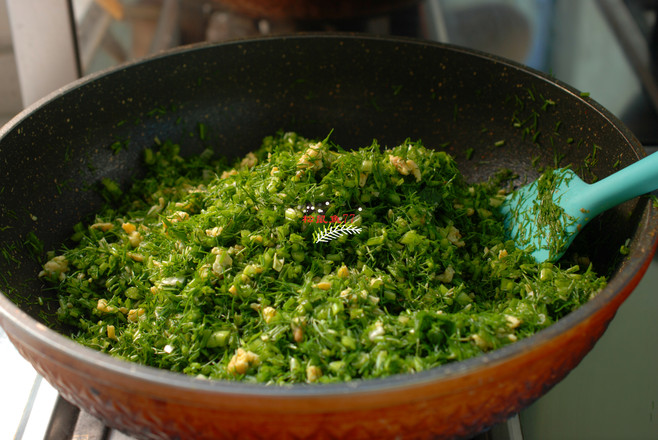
(604,47)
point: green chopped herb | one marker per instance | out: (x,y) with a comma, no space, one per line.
(624,249)
(535,162)
(547,103)
(33,244)
(203,131)
(557,159)
(535,137)
(110,189)
(213,270)
(119,145)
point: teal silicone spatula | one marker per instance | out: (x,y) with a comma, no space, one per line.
(547,214)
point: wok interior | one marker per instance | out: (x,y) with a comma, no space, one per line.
(485,112)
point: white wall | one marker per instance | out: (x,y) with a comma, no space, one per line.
(10,98)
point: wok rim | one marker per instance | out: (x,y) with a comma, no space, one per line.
(617,288)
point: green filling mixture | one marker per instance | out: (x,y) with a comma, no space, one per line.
(306,263)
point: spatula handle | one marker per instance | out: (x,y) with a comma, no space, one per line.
(636,179)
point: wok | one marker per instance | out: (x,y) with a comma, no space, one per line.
(54,153)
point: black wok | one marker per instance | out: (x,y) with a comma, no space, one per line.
(54,154)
